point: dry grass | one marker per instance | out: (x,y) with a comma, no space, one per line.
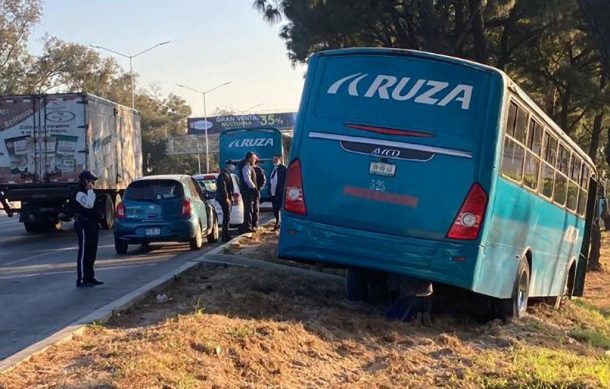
(236,327)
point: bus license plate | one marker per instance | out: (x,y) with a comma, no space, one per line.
(383,169)
(153,231)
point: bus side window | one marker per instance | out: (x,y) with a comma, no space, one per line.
(572,202)
(512,159)
(532,157)
(584,185)
(511,118)
(547,172)
(521,125)
(561,181)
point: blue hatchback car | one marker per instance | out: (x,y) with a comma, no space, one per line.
(164,208)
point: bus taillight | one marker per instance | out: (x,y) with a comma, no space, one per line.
(469,219)
(294,200)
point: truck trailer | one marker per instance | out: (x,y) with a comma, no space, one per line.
(47,140)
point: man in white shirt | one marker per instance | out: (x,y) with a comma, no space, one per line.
(248,191)
(86,226)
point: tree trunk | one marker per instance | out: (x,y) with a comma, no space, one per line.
(597,125)
(478,31)
(596,238)
(597,15)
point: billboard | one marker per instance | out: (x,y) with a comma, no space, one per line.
(216,124)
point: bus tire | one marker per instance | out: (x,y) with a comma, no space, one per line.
(568,288)
(516,306)
(377,288)
(356,288)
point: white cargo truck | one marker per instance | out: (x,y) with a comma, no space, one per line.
(47,140)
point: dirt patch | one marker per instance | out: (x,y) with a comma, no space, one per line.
(230,327)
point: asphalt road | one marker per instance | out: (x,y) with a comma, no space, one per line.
(38,294)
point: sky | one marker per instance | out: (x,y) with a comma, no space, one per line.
(211,42)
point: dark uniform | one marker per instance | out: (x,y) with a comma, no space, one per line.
(224,196)
(86,226)
(261,181)
(278,176)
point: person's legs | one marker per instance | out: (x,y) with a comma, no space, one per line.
(91,236)
(226,218)
(80,232)
(277,205)
(248,204)
(256,209)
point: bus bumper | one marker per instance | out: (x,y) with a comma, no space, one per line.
(445,262)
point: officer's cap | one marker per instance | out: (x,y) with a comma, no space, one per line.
(86,175)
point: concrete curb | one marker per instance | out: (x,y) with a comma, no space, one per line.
(104,313)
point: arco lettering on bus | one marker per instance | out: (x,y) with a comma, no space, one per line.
(422,91)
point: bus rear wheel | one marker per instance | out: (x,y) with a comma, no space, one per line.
(356,285)
(568,288)
(516,306)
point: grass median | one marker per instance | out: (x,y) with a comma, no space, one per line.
(227,326)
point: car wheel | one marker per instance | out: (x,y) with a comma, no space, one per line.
(197,242)
(121,246)
(215,234)
(516,306)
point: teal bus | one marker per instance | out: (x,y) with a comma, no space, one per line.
(436,168)
(265,142)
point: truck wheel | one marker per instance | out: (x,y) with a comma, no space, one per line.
(121,246)
(108,213)
(33,227)
(516,306)
(356,287)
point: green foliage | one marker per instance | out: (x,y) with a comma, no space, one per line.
(541,44)
(72,67)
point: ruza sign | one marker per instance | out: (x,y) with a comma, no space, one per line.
(216,124)
(388,87)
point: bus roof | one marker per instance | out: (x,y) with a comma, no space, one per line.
(475,65)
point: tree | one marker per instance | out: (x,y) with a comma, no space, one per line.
(597,14)
(17,17)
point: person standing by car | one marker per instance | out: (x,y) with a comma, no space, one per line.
(248,190)
(86,226)
(261,181)
(224,196)
(277,181)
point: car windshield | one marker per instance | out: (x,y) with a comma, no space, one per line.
(208,185)
(151,190)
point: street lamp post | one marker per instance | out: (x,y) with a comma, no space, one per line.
(131,57)
(205,120)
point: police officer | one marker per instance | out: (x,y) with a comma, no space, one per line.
(86,226)
(261,181)
(224,196)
